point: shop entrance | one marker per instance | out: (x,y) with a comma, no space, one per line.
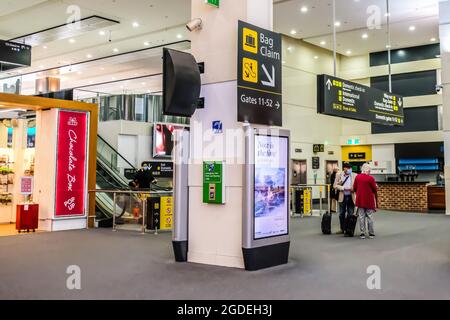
(45,164)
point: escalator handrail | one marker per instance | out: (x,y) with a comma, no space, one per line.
(115,151)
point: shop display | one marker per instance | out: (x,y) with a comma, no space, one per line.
(27,217)
(6,180)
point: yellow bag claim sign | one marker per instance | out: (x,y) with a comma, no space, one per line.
(166,213)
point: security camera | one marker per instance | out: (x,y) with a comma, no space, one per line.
(439,88)
(194,25)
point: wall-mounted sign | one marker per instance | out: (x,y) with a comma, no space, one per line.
(271,187)
(213,183)
(357,156)
(217,127)
(71,164)
(214,3)
(26,186)
(318,148)
(315,163)
(353,142)
(14,55)
(346,99)
(298,150)
(259,76)
(166,213)
(160,169)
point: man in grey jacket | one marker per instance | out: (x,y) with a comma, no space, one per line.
(347,197)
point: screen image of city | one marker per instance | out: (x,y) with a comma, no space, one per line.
(270,198)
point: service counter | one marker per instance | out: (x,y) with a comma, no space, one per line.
(403,196)
(436,197)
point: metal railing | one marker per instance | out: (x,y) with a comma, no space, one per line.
(142,195)
(321,187)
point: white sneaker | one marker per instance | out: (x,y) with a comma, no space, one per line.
(362,236)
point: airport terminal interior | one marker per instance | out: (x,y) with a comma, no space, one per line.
(225,149)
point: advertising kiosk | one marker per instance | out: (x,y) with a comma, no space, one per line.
(56,171)
(265,232)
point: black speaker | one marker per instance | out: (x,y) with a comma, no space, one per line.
(181,83)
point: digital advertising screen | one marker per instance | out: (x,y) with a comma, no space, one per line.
(271,216)
(163,139)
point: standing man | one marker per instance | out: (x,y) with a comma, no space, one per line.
(366,199)
(347,198)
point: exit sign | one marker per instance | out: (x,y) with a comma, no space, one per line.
(214,3)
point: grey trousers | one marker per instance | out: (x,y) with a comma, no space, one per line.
(366,214)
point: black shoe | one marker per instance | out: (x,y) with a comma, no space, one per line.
(362,236)
(371,236)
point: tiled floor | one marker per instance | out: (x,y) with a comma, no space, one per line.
(7,230)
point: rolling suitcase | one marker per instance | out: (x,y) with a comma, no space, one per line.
(350,225)
(326,223)
(27,217)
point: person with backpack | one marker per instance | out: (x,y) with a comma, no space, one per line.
(366,200)
(347,197)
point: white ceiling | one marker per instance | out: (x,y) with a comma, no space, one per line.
(315,25)
(162,22)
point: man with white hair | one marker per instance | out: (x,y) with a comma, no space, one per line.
(366,200)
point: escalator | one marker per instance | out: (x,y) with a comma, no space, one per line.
(111,168)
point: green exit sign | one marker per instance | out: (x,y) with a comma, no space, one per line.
(214,3)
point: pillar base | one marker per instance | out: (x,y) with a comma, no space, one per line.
(266,257)
(180,250)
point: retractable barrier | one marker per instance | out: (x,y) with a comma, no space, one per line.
(302,199)
(152,210)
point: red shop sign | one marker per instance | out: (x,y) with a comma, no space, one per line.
(71,164)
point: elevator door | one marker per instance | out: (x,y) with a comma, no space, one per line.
(299,172)
(329,167)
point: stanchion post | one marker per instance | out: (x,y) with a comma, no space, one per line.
(144,213)
(320,200)
(114,211)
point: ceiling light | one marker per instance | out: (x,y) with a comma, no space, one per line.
(89,56)
(45,47)
(289,49)
(102,33)
(146,43)
(79,73)
(433,39)
(179,36)
(113,79)
(365,36)
(116,50)
(304,9)
(135,24)
(337,23)
(388,46)
(349,52)
(412,28)
(72,40)
(293,32)
(322,43)
(316,57)
(41,67)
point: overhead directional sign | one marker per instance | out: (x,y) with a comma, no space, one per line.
(259,76)
(346,99)
(14,55)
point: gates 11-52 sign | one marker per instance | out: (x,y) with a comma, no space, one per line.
(259,76)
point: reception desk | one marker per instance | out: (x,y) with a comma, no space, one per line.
(436,197)
(403,196)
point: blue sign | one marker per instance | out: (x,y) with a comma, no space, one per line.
(217,127)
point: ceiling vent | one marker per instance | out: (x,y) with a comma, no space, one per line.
(66,31)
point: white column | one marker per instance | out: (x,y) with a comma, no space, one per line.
(444,30)
(215,231)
